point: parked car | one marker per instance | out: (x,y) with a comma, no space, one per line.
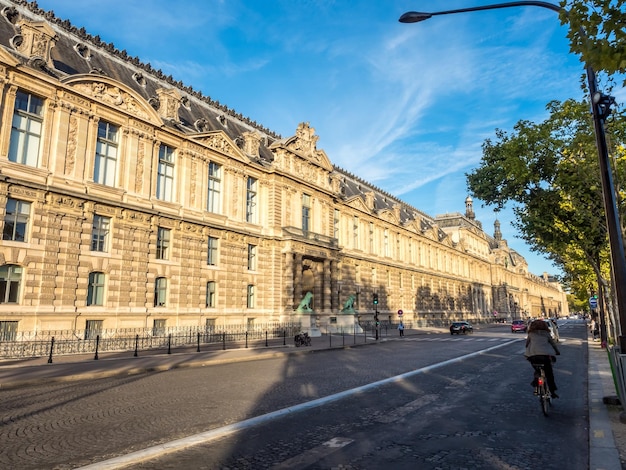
(518,325)
(459,327)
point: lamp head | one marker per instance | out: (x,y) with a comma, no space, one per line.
(414,17)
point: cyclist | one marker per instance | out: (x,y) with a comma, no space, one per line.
(540,348)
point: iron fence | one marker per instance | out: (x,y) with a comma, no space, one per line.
(69,342)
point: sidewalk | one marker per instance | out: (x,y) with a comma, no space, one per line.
(603,449)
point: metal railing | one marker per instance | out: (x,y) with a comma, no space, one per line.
(66,342)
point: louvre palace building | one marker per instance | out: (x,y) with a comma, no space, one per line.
(130,200)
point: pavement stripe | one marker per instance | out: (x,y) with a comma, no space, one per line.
(208,436)
(313,455)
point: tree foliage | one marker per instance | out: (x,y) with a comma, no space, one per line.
(550,172)
(598,33)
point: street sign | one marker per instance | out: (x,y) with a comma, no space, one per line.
(400,313)
(593,302)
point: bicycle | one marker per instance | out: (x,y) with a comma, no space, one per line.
(302,339)
(541,388)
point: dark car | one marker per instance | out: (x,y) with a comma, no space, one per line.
(459,327)
(518,325)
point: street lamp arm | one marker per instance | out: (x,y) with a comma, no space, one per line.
(415,17)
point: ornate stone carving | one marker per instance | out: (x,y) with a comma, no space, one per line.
(251,143)
(169,103)
(72,142)
(112,95)
(36,40)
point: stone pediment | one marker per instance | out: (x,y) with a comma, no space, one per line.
(304,144)
(220,142)
(357,202)
(389,216)
(114,94)
(8,59)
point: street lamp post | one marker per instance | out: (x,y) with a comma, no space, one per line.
(600,106)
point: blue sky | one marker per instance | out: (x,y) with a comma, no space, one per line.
(404,106)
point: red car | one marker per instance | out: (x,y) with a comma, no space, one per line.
(518,325)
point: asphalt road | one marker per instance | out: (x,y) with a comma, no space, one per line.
(473,413)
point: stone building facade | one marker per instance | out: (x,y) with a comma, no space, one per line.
(129,200)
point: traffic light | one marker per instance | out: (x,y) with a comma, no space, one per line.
(375,299)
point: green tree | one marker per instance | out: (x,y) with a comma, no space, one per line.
(597,33)
(549,172)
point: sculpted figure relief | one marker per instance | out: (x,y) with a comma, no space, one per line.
(305,303)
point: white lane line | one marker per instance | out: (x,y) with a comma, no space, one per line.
(313,455)
(208,436)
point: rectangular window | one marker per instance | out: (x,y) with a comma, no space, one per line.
(105,165)
(163,243)
(210,294)
(26,129)
(386,243)
(355,233)
(306,212)
(93,329)
(250,296)
(8,330)
(95,290)
(160,292)
(251,257)
(215,188)
(165,177)
(10,280)
(210,325)
(251,200)
(100,233)
(336,224)
(158,327)
(212,252)
(16,220)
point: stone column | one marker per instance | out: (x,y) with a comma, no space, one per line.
(297,279)
(327,286)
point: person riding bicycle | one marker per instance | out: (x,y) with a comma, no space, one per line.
(540,348)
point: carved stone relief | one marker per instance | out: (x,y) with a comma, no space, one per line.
(112,95)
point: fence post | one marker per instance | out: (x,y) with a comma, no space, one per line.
(266,338)
(224,341)
(246,340)
(198,350)
(330,339)
(284,337)
(169,343)
(51,347)
(97,344)
(136,344)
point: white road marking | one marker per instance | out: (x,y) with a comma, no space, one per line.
(214,434)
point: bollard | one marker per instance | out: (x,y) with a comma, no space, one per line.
(97,344)
(136,344)
(51,347)
(343,339)
(246,340)
(198,350)
(169,343)
(266,339)
(224,341)
(284,337)
(330,340)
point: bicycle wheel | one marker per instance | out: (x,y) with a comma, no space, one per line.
(544,396)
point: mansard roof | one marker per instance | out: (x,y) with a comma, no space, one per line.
(77,53)
(75,56)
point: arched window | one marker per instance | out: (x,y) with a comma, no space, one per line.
(10,281)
